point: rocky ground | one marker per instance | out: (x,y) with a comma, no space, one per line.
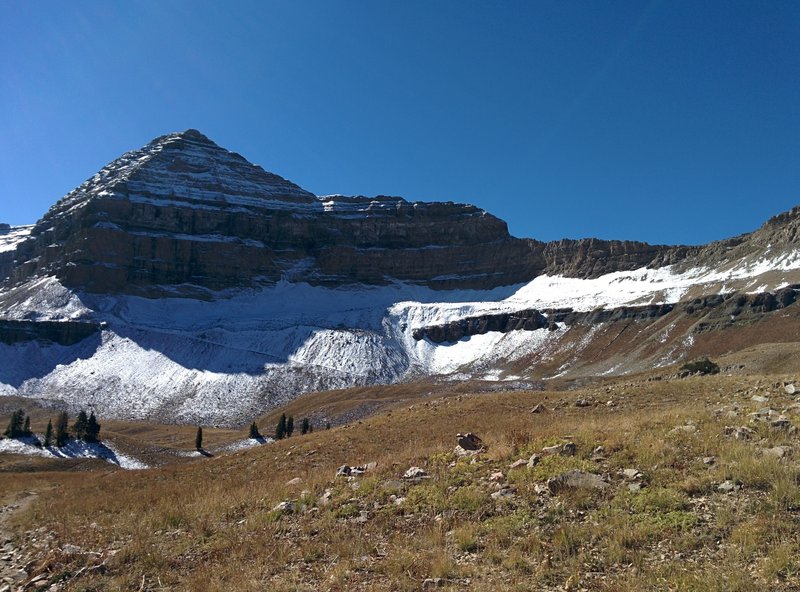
(17,561)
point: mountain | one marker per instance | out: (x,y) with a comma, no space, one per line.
(183,283)
(182,213)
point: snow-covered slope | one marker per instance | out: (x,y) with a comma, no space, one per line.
(224,360)
(15,235)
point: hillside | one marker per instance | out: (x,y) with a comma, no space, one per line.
(690,483)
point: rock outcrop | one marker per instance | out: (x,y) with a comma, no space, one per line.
(60,332)
(717,310)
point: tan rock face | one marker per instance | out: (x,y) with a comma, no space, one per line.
(184,212)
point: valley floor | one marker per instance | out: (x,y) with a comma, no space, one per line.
(683,484)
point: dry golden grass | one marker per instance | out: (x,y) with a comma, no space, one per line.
(210,525)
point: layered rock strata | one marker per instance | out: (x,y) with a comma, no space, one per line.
(729,308)
(183,213)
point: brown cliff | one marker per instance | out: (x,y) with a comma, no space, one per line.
(183,213)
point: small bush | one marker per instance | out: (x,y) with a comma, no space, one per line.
(702,366)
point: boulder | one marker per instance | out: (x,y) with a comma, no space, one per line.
(285,507)
(348,471)
(415,473)
(684,429)
(505,492)
(777,451)
(575,480)
(728,486)
(567,449)
(631,474)
(739,433)
(470,441)
(781,422)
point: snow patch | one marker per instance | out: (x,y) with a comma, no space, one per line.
(73,449)
(17,234)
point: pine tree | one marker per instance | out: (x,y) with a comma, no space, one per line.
(289,426)
(254,433)
(92,429)
(280,430)
(328,425)
(198,439)
(304,426)
(15,424)
(48,434)
(62,431)
(26,431)
(79,428)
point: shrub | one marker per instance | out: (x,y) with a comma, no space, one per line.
(702,366)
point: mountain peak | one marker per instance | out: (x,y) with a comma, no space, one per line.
(193,134)
(190,135)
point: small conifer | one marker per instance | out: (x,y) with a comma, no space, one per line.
(304,426)
(15,424)
(254,433)
(48,434)
(92,429)
(80,425)
(198,439)
(289,426)
(26,430)
(62,430)
(280,429)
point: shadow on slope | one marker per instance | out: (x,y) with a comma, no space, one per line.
(31,359)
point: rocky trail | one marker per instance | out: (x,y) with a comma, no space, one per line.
(22,567)
(14,561)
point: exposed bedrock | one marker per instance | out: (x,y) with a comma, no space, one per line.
(719,308)
(60,332)
(182,211)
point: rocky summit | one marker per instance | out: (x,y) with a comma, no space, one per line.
(183,283)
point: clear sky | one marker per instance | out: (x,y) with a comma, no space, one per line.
(674,121)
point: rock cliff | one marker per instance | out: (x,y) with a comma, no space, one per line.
(182,214)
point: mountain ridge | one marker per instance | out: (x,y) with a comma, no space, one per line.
(149,217)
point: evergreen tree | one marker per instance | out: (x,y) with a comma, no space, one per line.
(254,433)
(26,431)
(328,425)
(280,430)
(48,434)
(80,425)
(92,429)
(198,439)
(289,426)
(15,424)
(304,426)
(62,429)
(310,427)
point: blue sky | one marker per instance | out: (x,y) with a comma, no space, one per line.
(670,122)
